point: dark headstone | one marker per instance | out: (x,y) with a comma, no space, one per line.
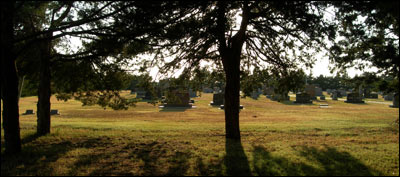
(29,111)
(218,99)
(335,96)
(342,93)
(177,98)
(303,98)
(395,101)
(354,98)
(318,91)
(54,112)
(322,97)
(389,97)
(140,94)
(192,93)
(310,90)
(255,95)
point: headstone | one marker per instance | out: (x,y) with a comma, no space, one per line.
(318,91)
(372,95)
(360,91)
(354,98)
(329,91)
(269,91)
(303,98)
(389,97)
(178,98)
(280,97)
(54,112)
(322,97)
(255,95)
(207,90)
(395,101)
(310,90)
(192,94)
(342,93)
(335,96)
(218,99)
(29,111)
(140,94)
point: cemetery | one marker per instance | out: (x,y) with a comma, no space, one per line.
(199,88)
(147,131)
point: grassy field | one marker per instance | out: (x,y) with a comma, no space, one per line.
(277,139)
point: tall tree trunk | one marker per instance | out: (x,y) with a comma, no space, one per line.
(230,52)
(232,97)
(9,81)
(44,92)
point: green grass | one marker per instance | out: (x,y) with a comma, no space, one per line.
(277,139)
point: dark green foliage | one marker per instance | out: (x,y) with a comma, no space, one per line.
(370,31)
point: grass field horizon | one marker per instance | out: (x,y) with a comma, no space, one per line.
(277,139)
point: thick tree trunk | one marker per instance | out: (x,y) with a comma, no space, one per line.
(44,92)
(9,82)
(230,52)
(232,97)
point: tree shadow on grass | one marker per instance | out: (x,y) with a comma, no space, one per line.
(330,163)
(174,109)
(235,160)
(138,159)
(292,103)
(34,159)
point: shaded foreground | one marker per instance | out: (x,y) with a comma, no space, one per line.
(277,139)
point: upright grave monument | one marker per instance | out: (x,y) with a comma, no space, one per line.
(218,99)
(310,90)
(303,98)
(177,98)
(395,101)
(354,98)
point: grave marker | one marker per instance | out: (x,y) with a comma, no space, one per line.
(177,98)
(29,111)
(395,101)
(303,98)
(218,99)
(354,98)
(54,112)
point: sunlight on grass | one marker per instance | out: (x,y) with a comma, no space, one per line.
(277,139)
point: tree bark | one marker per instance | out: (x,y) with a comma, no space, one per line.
(44,92)
(9,81)
(232,99)
(230,55)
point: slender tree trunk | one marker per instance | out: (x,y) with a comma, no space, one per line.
(9,81)
(44,92)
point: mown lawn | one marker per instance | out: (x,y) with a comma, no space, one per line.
(277,139)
